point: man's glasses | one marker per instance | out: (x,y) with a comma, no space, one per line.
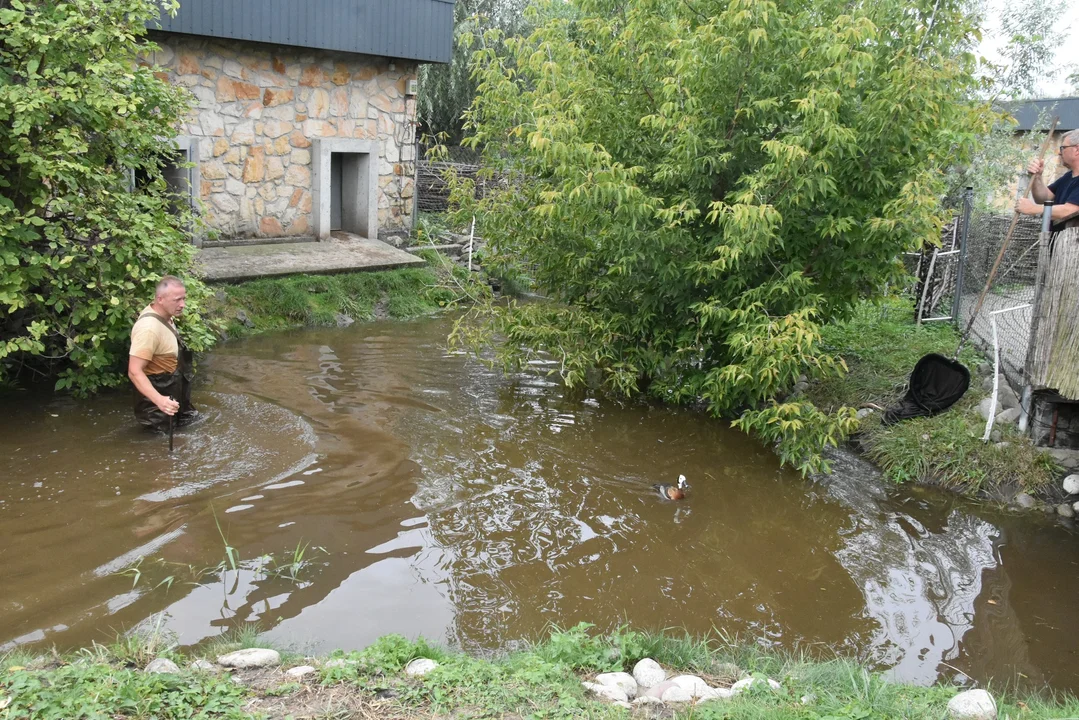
(1063,148)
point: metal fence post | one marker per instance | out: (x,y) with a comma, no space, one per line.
(968,208)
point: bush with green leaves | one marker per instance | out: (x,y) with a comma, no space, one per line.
(699,186)
(87,224)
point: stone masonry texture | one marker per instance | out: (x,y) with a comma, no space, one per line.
(257,108)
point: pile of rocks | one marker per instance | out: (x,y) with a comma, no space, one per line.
(248,659)
(649,685)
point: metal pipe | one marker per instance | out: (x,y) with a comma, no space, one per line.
(1047,215)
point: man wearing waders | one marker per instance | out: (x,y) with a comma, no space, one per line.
(160,365)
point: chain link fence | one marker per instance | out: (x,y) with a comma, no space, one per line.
(432,192)
(950,279)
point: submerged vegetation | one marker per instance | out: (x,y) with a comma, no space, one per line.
(881,344)
(541,681)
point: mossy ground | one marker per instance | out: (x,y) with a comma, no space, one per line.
(881,344)
(541,681)
(317,300)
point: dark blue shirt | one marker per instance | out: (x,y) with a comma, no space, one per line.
(1065,189)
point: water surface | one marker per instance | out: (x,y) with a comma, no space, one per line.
(432,496)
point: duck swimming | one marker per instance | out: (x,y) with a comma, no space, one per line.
(673,492)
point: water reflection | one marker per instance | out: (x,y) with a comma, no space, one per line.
(477,510)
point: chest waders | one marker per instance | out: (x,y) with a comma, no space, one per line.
(176,385)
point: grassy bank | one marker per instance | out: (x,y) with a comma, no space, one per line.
(325,300)
(881,345)
(542,681)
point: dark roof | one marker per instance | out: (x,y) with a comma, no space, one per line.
(1067,109)
(407,29)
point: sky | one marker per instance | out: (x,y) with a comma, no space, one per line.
(1067,53)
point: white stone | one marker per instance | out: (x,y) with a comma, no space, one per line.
(224,202)
(234,187)
(233,69)
(972,705)
(744,683)
(691,684)
(338,662)
(647,672)
(647,700)
(1007,397)
(206,97)
(212,124)
(714,694)
(621,680)
(1071,484)
(676,694)
(622,704)
(300,671)
(984,408)
(613,694)
(203,665)
(420,666)
(250,658)
(1008,417)
(162,665)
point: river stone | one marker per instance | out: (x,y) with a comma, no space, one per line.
(622,704)
(1065,510)
(985,406)
(1065,457)
(343,320)
(647,672)
(1007,397)
(864,412)
(1025,500)
(647,700)
(300,670)
(1008,417)
(621,680)
(420,667)
(691,684)
(250,658)
(1071,484)
(985,368)
(657,691)
(972,705)
(162,665)
(607,692)
(202,666)
(676,694)
(338,662)
(714,694)
(727,673)
(745,683)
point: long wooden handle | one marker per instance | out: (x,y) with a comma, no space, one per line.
(1007,241)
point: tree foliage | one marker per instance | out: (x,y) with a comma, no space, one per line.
(447,90)
(698,185)
(79,248)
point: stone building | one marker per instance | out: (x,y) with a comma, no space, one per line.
(305,111)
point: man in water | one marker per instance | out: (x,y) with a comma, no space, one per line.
(1064,191)
(160,365)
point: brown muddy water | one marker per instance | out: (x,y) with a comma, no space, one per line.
(478,510)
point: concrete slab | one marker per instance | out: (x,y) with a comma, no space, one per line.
(343,252)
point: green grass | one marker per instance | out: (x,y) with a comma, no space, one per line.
(881,345)
(316,300)
(542,680)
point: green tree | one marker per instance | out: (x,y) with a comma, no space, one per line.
(698,185)
(81,242)
(446,91)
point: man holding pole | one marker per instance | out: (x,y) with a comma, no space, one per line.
(160,365)
(1064,191)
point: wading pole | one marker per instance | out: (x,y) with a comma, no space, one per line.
(171,424)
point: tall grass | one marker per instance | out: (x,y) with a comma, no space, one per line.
(881,344)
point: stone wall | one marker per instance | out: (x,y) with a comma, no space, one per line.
(258,108)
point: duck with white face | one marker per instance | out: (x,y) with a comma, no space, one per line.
(673,492)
